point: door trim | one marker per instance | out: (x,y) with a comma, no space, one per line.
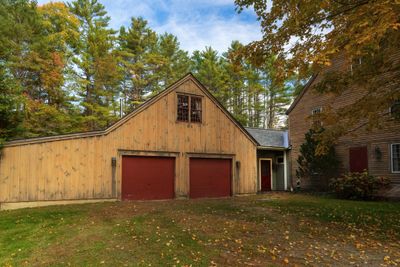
(259,172)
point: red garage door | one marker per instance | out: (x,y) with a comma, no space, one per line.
(210,177)
(147,178)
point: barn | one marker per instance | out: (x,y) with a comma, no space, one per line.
(179,144)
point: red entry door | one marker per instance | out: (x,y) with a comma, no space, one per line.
(358,159)
(265,175)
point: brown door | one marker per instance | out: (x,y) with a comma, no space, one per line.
(265,175)
(146,178)
(210,177)
(358,159)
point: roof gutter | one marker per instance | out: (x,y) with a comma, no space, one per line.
(273,148)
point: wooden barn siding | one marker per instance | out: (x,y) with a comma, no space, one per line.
(299,124)
(81,168)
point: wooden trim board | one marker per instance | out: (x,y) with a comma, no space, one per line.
(34,204)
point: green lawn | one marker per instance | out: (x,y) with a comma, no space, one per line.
(264,230)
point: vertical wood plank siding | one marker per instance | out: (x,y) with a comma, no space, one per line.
(80,168)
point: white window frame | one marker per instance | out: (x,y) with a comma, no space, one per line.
(316,110)
(280,157)
(391,157)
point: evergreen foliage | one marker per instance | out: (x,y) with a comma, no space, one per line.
(316,168)
(63,69)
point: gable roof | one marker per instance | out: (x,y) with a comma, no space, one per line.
(270,138)
(303,91)
(142,107)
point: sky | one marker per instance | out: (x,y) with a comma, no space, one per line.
(196,23)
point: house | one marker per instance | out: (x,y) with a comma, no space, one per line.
(377,151)
(182,143)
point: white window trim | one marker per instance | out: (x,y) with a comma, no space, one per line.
(391,157)
(319,109)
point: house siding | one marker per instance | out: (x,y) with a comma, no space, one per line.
(299,124)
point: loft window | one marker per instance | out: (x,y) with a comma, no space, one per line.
(315,116)
(189,109)
(316,110)
(183,108)
(195,109)
(395,156)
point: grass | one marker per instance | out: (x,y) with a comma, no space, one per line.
(264,230)
(383,218)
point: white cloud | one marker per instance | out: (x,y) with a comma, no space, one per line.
(196,23)
(195,34)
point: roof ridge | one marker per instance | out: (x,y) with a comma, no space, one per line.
(128,116)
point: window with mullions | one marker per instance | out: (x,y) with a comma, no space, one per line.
(189,109)
(183,108)
(195,109)
(315,116)
(395,155)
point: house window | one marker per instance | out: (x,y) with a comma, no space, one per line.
(189,109)
(395,155)
(183,108)
(279,160)
(395,110)
(315,117)
(316,110)
(195,109)
(355,63)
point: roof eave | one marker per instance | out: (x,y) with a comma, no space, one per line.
(272,148)
(303,91)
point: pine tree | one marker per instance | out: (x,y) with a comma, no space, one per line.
(278,94)
(209,69)
(11,101)
(318,169)
(138,50)
(15,37)
(99,73)
(175,62)
(36,48)
(236,83)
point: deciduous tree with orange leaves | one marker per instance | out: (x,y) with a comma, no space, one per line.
(308,34)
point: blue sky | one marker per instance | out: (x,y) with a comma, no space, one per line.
(197,23)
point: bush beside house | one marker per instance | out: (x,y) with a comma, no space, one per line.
(358,185)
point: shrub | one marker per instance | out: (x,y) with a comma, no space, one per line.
(358,185)
(318,169)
